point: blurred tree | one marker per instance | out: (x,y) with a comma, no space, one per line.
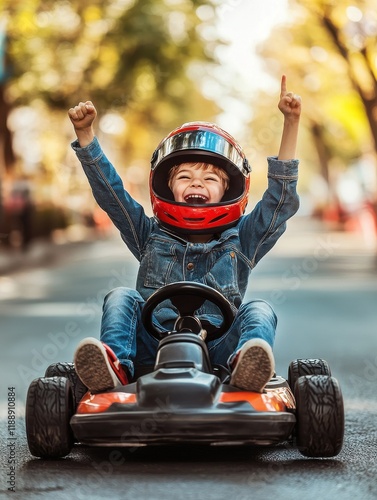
(137,60)
(6,149)
(6,155)
(128,56)
(353,31)
(121,53)
(330,52)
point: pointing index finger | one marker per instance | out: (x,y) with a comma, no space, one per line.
(283,88)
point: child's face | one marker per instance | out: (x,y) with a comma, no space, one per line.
(194,184)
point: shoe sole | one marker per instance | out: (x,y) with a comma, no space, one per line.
(92,369)
(253,371)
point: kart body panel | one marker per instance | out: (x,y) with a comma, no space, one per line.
(185,405)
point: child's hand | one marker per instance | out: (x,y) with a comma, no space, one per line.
(83,115)
(290,103)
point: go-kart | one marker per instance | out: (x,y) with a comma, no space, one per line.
(183,399)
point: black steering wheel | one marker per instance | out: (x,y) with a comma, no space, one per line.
(187,297)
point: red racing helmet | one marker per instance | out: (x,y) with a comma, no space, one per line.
(207,143)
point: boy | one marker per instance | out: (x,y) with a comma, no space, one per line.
(199,187)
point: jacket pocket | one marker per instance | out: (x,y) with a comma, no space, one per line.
(158,263)
(223,273)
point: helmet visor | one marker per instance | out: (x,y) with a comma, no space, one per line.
(203,144)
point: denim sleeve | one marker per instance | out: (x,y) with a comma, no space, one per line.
(263,226)
(108,190)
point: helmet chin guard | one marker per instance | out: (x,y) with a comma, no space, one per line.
(199,142)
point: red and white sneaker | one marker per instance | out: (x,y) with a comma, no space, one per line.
(253,366)
(97,366)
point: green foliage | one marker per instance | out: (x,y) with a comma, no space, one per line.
(132,58)
(329,51)
(114,51)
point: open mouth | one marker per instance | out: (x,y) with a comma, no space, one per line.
(196,199)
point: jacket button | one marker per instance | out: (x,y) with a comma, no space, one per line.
(190,266)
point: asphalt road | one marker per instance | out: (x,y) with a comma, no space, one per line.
(324,290)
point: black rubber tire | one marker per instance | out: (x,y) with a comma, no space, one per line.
(49,408)
(320,416)
(301,367)
(68,371)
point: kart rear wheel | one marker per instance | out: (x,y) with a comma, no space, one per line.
(49,408)
(68,371)
(320,416)
(301,367)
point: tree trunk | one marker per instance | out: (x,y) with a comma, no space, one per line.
(369,98)
(6,150)
(7,157)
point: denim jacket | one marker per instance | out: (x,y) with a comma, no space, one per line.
(223,263)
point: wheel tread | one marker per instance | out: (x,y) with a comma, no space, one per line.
(67,370)
(49,408)
(320,415)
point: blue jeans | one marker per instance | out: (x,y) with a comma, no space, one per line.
(123,331)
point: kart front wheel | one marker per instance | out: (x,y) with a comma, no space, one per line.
(300,367)
(49,408)
(320,416)
(68,371)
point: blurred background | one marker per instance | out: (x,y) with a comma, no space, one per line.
(151,65)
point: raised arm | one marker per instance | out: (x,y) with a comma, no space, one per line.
(107,186)
(290,106)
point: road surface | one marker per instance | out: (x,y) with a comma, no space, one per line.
(323,287)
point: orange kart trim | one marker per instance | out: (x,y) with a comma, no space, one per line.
(96,403)
(261,402)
